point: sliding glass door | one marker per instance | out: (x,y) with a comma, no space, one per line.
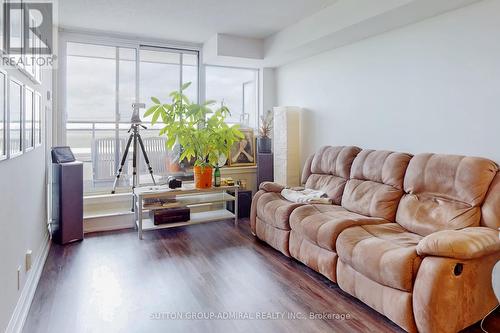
(101,83)
(163,71)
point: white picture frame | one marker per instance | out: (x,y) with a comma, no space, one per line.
(15,117)
(29,119)
(38,120)
(3,116)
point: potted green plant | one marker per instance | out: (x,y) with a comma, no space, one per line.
(200,129)
(264,139)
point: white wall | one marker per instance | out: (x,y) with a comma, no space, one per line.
(433,86)
(23,213)
(267,90)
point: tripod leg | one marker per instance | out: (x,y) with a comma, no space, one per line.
(134,169)
(124,159)
(146,158)
(134,163)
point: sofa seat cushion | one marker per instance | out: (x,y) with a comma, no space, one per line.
(385,253)
(275,210)
(321,224)
(315,257)
(275,237)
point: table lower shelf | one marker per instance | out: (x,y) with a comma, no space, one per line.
(196,218)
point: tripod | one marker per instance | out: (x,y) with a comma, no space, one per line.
(137,141)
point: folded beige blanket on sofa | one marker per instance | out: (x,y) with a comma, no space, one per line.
(305,196)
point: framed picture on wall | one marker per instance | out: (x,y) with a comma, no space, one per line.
(242,153)
(38,119)
(3,115)
(29,128)
(15,117)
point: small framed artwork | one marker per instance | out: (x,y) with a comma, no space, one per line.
(38,119)
(15,117)
(29,108)
(242,153)
(3,115)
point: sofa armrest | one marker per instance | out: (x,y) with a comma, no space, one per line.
(467,243)
(271,187)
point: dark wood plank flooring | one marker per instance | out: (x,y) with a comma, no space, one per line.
(113,282)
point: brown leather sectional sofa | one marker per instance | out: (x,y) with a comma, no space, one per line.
(414,237)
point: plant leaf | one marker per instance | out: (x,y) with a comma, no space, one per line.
(155,117)
(155,100)
(163,115)
(150,111)
(163,131)
(186,99)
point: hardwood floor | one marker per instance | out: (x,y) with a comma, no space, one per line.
(113,282)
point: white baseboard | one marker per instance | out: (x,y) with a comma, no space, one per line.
(22,308)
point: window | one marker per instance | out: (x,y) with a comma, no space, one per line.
(3,113)
(91,86)
(238,89)
(164,70)
(95,105)
(102,82)
(190,74)
(15,114)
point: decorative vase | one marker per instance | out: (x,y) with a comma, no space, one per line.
(264,144)
(203,176)
(173,158)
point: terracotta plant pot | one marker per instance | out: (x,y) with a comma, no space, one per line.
(203,177)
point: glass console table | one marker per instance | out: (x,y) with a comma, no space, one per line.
(188,196)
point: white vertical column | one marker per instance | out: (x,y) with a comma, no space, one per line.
(287,145)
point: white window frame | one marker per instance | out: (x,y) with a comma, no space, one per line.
(69,36)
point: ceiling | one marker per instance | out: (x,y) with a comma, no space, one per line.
(186,20)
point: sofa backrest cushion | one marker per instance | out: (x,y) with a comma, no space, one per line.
(329,169)
(444,192)
(376,183)
(306,170)
(490,211)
